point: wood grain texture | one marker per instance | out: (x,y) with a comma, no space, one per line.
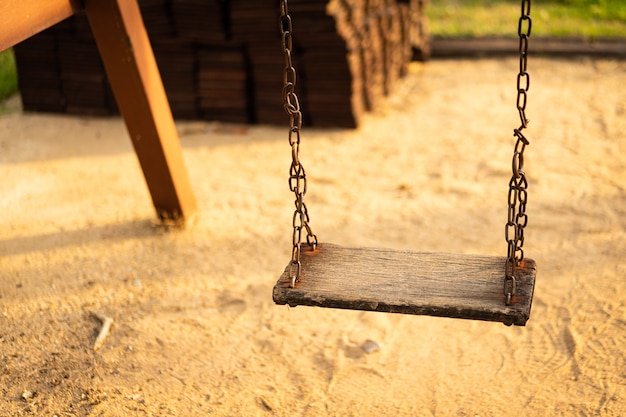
(436,284)
(131,68)
(24,18)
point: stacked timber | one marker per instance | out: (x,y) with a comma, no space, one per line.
(254,24)
(83,79)
(39,77)
(222,83)
(348,55)
(60,71)
(199,20)
(177,66)
(222,59)
(330,70)
(158,18)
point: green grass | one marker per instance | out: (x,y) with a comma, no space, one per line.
(580,18)
(8,74)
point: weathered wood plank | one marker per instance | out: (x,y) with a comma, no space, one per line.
(22,19)
(435,284)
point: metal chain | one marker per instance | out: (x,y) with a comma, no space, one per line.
(297,174)
(517,217)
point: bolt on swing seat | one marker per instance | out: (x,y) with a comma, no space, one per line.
(476,287)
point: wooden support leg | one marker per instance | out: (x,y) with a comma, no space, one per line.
(132,70)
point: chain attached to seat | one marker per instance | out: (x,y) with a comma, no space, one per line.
(518,195)
(517,218)
(297,174)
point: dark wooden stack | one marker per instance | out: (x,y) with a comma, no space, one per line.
(158,18)
(222,59)
(83,79)
(60,71)
(254,24)
(177,66)
(348,55)
(222,83)
(332,87)
(200,21)
(39,77)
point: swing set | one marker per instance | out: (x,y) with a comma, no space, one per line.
(476,287)
(319,274)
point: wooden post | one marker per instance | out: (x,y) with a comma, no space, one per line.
(132,71)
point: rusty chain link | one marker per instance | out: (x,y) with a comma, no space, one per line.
(518,195)
(297,174)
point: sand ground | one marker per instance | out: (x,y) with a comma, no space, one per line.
(195,330)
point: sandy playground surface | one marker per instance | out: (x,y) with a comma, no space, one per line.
(195,330)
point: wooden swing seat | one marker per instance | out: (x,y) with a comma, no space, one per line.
(395,281)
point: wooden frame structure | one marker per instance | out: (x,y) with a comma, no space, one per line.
(129,61)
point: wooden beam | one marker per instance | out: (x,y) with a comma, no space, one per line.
(21,19)
(132,71)
(392,281)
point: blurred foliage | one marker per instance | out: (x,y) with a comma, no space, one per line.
(581,18)
(8,74)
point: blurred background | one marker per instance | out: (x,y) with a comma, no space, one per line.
(60,71)
(586,19)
